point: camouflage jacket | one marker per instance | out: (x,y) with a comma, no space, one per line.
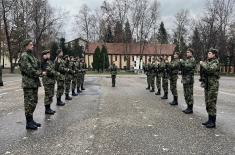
(30,70)
(212,70)
(156,69)
(188,68)
(69,74)
(164,68)
(148,69)
(60,67)
(51,73)
(174,67)
(113,69)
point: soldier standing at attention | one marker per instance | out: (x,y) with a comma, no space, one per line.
(30,71)
(113,71)
(83,65)
(174,67)
(60,67)
(165,76)
(74,79)
(48,81)
(158,77)
(211,87)
(188,67)
(68,77)
(147,68)
(152,76)
(79,77)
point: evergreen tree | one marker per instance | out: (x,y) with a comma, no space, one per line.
(196,44)
(54,48)
(128,36)
(118,33)
(62,45)
(96,59)
(162,34)
(104,59)
(109,35)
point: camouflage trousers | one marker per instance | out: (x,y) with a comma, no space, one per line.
(60,88)
(152,80)
(49,93)
(30,100)
(158,82)
(173,85)
(79,81)
(148,80)
(74,83)
(165,84)
(83,79)
(188,93)
(67,86)
(113,80)
(211,93)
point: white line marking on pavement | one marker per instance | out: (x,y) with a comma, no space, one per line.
(3,94)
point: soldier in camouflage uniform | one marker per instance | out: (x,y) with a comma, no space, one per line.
(174,67)
(152,76)
(158,77)
(1,82)
(48,81)
(68,77)
(75,76)
(60,67)
(83,65)
(113,71)
(79,77)
(147,68)
(165,76)
(30,71)
(188,68)
(212,70)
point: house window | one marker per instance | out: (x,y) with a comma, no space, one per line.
(133,58)
(115,57)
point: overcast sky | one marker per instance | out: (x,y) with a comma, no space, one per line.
(168,10)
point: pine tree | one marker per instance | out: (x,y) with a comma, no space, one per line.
(96,59)
(62,45)
(109,35)
(54,48)
(118,33)
(196,44)
(104,59)
(162,34)
(128,36)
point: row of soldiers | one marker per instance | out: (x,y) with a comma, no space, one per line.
(164,70)
(64,71)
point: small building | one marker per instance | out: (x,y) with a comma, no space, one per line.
(130,55)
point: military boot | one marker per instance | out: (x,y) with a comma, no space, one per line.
(78,90)
(67,97)
(148,88)
(175,101)
(189,110)
(152,90)
(48,110)
(73,93)
(82,88)
(212,122)
(30,124)
(165,96)
(205,123)
(35,123)
(158,92)
(59,102)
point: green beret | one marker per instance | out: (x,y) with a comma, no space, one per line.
(45,52)
(26,42)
